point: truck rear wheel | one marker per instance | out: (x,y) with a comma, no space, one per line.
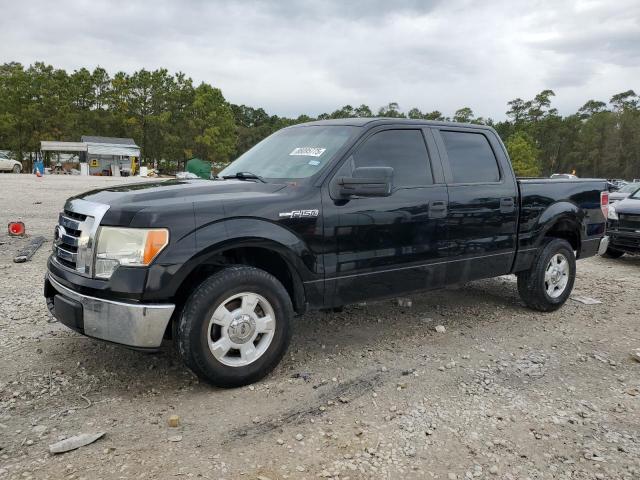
(235,327)
(546,286)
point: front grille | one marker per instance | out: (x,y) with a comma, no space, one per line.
(628,244)
(629,222)
(75,215)
(68,236)
(75,235)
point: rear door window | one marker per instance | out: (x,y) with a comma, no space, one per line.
(471,158)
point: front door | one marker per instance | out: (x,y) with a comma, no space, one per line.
(384,246)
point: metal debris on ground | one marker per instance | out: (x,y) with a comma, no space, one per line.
(585,300)
(72,443)
(25,254)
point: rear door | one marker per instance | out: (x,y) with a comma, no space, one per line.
(383,246)
(483,213)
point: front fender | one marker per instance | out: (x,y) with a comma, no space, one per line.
(253,232)
(214,238)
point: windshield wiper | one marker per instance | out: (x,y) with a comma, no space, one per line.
(246,176)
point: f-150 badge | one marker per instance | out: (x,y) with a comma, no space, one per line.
(299,213)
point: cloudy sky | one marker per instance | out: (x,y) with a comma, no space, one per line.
(292,57)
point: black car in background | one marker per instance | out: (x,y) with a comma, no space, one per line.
(623,226)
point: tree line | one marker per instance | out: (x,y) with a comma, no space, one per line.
(173,120)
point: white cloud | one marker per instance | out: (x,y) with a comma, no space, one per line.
(295,57)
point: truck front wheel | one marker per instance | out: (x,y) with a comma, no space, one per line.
(549,281)
(235,327)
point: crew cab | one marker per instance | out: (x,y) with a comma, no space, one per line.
(316,216)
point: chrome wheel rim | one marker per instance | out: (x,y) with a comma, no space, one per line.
(241,329)
(556,275)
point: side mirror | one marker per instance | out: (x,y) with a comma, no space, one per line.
(367,182)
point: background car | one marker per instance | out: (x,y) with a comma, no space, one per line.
(623,227)
(624,192)
(9,165)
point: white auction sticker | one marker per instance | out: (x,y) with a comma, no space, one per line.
(308,151)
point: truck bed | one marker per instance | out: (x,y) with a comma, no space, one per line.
(541,199)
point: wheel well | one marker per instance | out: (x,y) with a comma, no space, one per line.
(263,258)
(566,230)
(271,262)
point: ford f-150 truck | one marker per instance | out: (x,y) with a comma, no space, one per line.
(316,216)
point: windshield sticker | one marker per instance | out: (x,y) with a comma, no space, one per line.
(314,163)
(307,151)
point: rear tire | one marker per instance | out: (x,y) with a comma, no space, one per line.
(235,327)
(612,253)
(546,286)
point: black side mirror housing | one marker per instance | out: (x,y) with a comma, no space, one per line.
(367,182)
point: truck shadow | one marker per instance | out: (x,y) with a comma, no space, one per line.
(317,336)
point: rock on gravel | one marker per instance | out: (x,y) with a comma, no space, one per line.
(74,442)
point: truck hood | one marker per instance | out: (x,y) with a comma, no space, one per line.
(617,196)
(628,205)
(126,201)
(150,193)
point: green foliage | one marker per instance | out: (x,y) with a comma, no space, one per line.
(173,121)
(524,155)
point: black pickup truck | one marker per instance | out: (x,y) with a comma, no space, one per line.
(316,216)
(623,228)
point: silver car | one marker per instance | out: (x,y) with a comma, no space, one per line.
(9,165)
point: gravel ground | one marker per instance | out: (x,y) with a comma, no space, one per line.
(371,392)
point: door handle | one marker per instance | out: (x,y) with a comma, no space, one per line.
(507,205)
(437,209)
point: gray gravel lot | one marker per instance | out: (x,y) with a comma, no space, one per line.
(371,392)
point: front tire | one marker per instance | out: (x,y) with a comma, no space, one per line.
(235,327)
(546,286)
(17,169)
(612,253)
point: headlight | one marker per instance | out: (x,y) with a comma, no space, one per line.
(133,247)
(612,213)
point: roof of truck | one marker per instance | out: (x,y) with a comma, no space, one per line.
(370,121)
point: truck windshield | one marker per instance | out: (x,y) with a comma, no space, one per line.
(291,153)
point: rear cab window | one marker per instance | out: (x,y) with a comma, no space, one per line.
(471,158)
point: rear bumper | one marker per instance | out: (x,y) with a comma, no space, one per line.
(604,244)
(131,324)
(590,247)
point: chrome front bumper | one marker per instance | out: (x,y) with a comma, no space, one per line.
(604,244)
(132,324)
